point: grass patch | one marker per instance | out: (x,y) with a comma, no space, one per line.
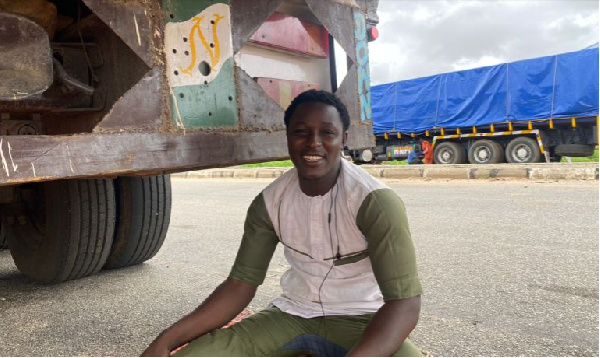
(396,162)
(276,164)
(593,158)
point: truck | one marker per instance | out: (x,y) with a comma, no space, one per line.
(526,111)
(101,100)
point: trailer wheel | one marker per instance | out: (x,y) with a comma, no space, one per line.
(144,212)
(3,241)
(449,153)
(486,152)
(366,155)
(67,230)
(523,150)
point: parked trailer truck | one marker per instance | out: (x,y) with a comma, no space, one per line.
(101,100)
(526,111)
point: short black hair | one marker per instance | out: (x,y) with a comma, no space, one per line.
(322,97)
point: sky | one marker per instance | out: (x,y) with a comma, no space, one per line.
(425,37)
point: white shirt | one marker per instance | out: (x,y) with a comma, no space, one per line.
(313,286)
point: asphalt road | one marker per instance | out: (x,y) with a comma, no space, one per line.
(509,268)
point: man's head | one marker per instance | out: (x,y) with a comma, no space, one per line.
(322,97)
(316,123)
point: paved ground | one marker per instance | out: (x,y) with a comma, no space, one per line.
(510,268)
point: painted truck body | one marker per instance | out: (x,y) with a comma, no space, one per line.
(527,111)
(101,100)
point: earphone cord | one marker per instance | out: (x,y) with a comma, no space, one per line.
(331,206)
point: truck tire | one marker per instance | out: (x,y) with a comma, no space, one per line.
(3,241)
(143,215)
(66,233)
(523,150)
(366,156)
(574,150)
(449,153)
(486,152)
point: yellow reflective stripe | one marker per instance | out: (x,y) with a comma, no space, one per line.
(492,128)
(474,129)
(573,122)
(551,124)
(386,136)
(529,125)
(399,135)
(442,131)
(427,133)
(510,126)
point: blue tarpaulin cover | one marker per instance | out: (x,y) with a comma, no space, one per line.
(564,85)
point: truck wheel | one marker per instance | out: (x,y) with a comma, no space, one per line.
(67,230)
(574,150)
(486,152)
(3,241)
(449,153)
(144,212)
(366,155)
(523,150)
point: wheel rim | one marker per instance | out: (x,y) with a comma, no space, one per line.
(446,156)
(483,154)
(522,153)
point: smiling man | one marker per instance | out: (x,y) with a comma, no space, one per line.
(352,287)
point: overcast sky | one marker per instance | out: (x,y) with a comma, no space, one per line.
(425,37)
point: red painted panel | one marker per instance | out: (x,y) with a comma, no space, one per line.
(291,34)
(284,91)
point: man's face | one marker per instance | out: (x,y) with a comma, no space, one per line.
(315,137)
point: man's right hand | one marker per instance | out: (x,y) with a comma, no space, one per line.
(157,349)
(226,302)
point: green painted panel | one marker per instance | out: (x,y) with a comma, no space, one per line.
(183,10)
(210,105)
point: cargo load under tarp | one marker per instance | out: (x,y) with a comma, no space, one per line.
(564,85)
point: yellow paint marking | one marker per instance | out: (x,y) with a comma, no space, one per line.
(214,54)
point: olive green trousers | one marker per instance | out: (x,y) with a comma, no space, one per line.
(275,333)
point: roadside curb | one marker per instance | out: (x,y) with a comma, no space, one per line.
(538,171)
